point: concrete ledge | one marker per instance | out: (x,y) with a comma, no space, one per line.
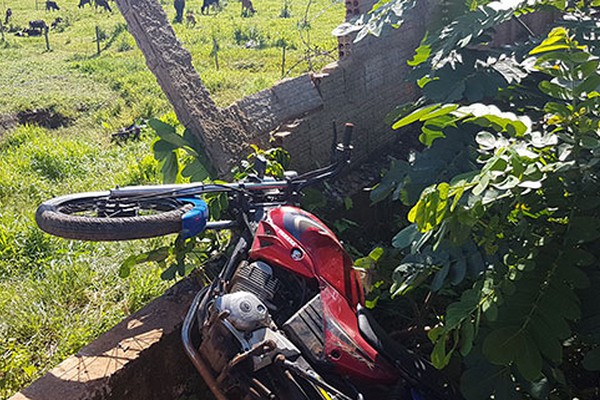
(140,358)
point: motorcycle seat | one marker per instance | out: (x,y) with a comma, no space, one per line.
(391,350)
(415,370)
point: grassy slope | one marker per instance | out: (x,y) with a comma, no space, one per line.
(57,295)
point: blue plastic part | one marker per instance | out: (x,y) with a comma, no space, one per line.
(194,221)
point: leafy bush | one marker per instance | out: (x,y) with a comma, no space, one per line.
(505,215)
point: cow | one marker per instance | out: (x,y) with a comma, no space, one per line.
(82,3)
(36,28)
(190,19)
(179,7)
(52,6)
(247,8)
(207,3)
(56,23)
(104,4)
(8,16)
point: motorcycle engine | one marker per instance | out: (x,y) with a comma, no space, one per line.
(239,331)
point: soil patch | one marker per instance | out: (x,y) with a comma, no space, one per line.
(7,122)
(44,117)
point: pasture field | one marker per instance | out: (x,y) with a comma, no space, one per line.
(57,295)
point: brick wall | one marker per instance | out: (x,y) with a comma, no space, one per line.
(362,87)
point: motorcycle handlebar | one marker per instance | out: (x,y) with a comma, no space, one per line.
(289,186)
(348,135)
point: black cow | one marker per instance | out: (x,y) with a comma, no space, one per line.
(52,6)
(179,8)
(190,19)
(207,3)
(247,8)
(56,23)
(38,24)
(36,28)
(8,16)
(103,3)
(82,3)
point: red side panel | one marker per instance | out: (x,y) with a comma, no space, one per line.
(345,347)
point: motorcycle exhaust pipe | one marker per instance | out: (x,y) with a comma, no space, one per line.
(193,354)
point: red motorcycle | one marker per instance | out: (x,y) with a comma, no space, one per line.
(285,316)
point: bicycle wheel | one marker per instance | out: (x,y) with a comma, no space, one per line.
(98,217)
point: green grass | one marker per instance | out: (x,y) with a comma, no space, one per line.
(58,295)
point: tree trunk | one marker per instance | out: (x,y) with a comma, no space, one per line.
(221,134)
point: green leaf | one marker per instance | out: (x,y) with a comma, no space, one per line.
(483,183)
(501,345)
(430,133)
(440,112)
(486,140)
(591,361)
(549,48)
(406,237)
(195,171)
(125,268)
(439,357)
(490,310)
(590,84)
(528,359)
(376,254)
(546,341)
(467,335)
(170,168)
(415,116)
(364,263)
(555,90)
(458,271)
(440,277)
(422,53)
(169,273)
(166,132)
(558,109)
(459,311)
(583,229)
(556,40)
(192,145)
(445,90)
(158,255)
(162,149)
(483,379)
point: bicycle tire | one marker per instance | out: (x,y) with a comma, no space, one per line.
(95,216)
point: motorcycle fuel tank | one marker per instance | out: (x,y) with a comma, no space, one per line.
(298,241)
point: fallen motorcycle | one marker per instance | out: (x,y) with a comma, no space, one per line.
(285,316)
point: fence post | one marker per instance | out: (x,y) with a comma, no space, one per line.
(283,59)
(215,51)
(98,50)
(46,29)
